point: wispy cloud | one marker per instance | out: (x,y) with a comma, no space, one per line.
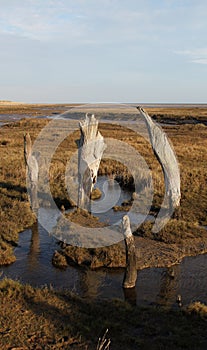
(40,20)
(200,60)
(86,21)
(93,43)
(197,55)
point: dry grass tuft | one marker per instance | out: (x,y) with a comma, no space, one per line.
(197,308)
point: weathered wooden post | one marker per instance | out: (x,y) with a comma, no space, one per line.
(111,178)
(91,147)
(32,170)
(130,276)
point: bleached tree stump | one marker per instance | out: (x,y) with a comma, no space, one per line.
(166,157)
(165,154)
(91,148)
(32,170)
(130,276)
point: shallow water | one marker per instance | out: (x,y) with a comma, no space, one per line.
(154,285)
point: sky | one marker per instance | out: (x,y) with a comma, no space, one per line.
(64,51)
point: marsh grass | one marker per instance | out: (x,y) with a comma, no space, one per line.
(175,231)
(34,110)
(198,308)
(84,218)
(45,319)
(190,144)
(59,260)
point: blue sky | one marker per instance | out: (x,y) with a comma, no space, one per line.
(103,51)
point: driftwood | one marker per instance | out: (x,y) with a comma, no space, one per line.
(167,159)
(32,171)
(130,276)
(91,147)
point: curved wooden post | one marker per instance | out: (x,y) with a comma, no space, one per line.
(91,147)
(130,276)
(167,159)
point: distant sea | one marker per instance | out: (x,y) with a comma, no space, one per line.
(170,105)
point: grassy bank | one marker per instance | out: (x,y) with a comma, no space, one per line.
(44,319)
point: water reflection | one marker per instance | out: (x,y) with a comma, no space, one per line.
(169,286)
(130,295)
(154,285)
(34,250)
(90,283)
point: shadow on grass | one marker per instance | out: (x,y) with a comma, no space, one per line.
(65,316)
(10,186)
(13,192)
(129,327)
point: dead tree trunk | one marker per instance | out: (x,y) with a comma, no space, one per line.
(91,147)
(130,276)
(167,159)
(32,171)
